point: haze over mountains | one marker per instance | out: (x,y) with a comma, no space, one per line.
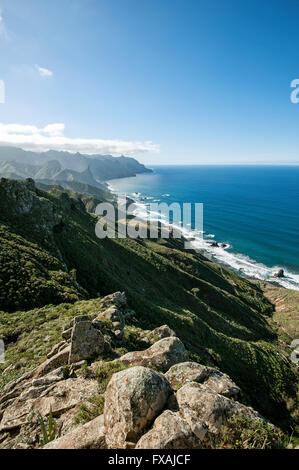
(64,168)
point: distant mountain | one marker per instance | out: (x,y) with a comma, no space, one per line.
(95,167)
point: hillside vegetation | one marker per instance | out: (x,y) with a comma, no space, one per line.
(52,266)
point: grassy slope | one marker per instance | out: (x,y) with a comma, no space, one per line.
(218,315)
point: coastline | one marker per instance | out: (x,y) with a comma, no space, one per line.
(211,248)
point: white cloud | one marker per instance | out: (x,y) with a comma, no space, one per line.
(52,137)
(44,72)
(3,31)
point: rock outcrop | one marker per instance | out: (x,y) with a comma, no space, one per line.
(160,400)
(86,342)
(207,411)
(161,356)
(170,431)
(134,397)
(88,436)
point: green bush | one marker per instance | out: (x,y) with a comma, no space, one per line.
(241,432)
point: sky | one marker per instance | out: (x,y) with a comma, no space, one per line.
(167,81)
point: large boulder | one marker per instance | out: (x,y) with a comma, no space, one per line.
(59,397)
(180,374)
(133,399)
(88,436)
(161,356)
(87,342)
(170,431)
(207,411)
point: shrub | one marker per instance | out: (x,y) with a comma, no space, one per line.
(241,432)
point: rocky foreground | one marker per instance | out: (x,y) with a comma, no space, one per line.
(157,400)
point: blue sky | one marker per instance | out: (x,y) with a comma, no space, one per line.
(170,81)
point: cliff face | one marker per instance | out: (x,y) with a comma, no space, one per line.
(52,266)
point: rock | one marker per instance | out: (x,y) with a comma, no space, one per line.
(118,298)
(86,342)
(88,436)
(185,372)
(163,332)
(180,374)
(280,273)
(66,334)
(55,376)
(58,347)
(206,411)
(59,397)
(170,431)
(162,355)
(54,362)
(133,399)
(114,315)
(221,383)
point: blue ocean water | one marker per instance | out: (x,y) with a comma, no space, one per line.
(253,209)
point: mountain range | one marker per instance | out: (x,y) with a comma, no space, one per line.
(65,168)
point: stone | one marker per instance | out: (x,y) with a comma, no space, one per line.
(163,332)
(118,298)
(53,363)
(170,431)
(59,397)
(88,436)
(180,374)
(66,334)
(221,383)
(200,405)
(161,355)
(114,315)
(133,399)
(86,342)
(58,347)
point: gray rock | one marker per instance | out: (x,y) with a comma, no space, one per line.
(180,374)
(114,315)
(133,399)
(161,355)
(53,363)
(55,350)
(163,332)
(170,431)
(118,298)
(207,411)
(66,334)
(86,342)
(221,383)
(88,436)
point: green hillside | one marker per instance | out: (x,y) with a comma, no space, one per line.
(50,255)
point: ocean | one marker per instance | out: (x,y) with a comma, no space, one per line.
(254,210)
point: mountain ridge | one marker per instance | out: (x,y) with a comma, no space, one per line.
(51,256)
